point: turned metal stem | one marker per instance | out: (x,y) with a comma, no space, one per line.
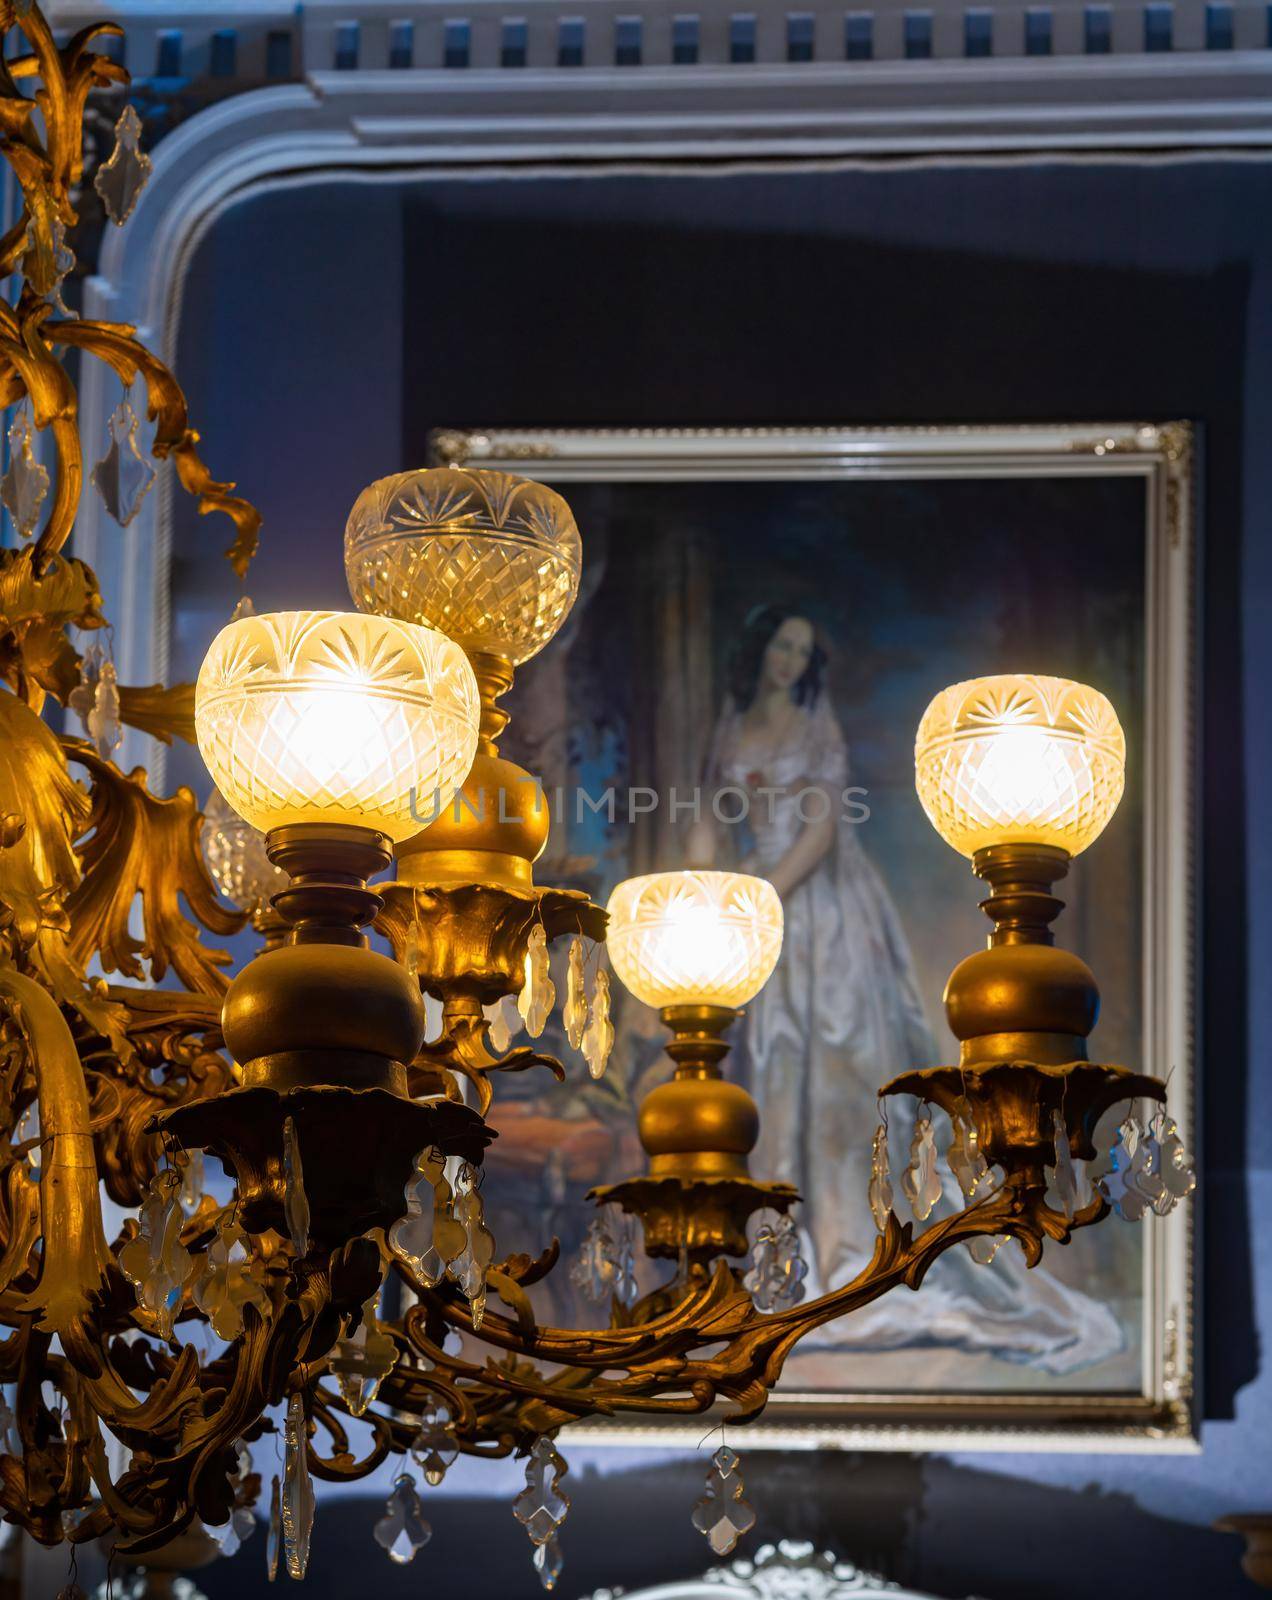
(1021,906)
(328,900)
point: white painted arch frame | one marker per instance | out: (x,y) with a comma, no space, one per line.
(532,122)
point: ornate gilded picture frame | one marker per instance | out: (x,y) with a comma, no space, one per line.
(917,557)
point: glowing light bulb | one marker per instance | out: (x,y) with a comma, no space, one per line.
(336,717)
(686,938)
(1017,759)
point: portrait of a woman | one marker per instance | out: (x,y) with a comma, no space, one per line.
(842,1013)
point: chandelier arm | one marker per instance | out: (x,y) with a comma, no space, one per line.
(755,1345)
(75,1263)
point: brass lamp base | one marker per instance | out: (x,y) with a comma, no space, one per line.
(698,1131)
(1013,1104)
(699,1218)
(357,1149)
(1022,1010)
(323,1029)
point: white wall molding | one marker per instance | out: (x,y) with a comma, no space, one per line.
(530,122)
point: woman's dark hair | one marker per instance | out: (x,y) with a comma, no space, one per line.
(748,658)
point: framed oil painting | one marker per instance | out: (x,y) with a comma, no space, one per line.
(852,574)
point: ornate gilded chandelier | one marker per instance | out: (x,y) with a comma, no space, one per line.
(340,743)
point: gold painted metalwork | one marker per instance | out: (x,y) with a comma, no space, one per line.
(327,1035)
(697,1131)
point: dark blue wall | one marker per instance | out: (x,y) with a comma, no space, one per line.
(326,329)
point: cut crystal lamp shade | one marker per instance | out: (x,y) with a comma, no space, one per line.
(235,853)
(487,558)
(694,938)
(335,717)
(1017,759)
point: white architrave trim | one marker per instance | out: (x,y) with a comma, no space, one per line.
(532,121)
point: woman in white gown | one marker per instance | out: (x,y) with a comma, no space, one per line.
(842,1014)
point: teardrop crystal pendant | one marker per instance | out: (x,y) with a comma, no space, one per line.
(155,1261)
(362,1360)
(274,1533)
(606,1264)
(121,179)
(598,1036)
(298,1490)
(469,1267)
(574,1016)
(538,992)
(295,1200)
(880,1187)
(1069,1183)
(402,1530)
(549,1563)
(542,1505)
(427,1237)
(435,1446)
(104,724)
(26,481)
(778,1269)
(124,475)
(503,1023)
(722,1515)
(964,1154)
(921,1181)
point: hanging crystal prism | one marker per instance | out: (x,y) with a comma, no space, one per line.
(503,1023)
(402,1529)
(230,1280)
(362,1360)
(469,1267)
(985,1247)
(606,1264)
(155,1261)
(190,1164)
(83,697)
(1069,1181)
(921,1182)
(124,475)
(104,725)
(26,480)
(121,179)
(230,1536)
(295,1200)
(542,1505)
(274,1533)
(537,990)
(880,1188)
(1176,1167)
(549,1562)
(722,1514)
(574,1016)
(298,1491)
(435,1446)
(427,1238)
(776,1279)
(964,1154)
(598,1037)
(243,608)
(1120,1186)
(64,263)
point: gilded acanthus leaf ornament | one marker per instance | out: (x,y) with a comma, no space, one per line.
(147,847)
